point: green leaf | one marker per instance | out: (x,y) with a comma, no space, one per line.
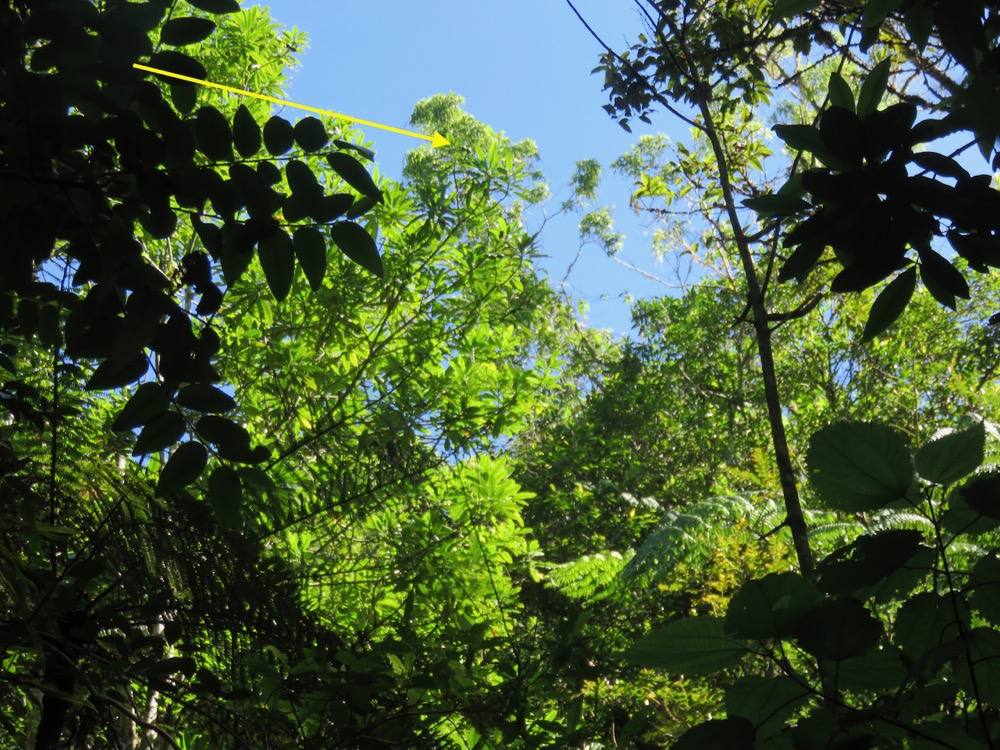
(800,137)
(776,205)
(696,645)
(148,400)
(734,733)
(856,467)
(985,584)
(205,398)
(187,30)
(765,701)
(873,89)
(160,433)
(840,92)
(225,494)
(279,136)
(880,670)
(950,457)
(232,440)
(839,629)
(358,245)
(246,133)
(982,494)
(789,8)
(183,467)
(277,258)
(927,622)
(942,279)
(771,606)
(217,7)
(310,249)
(890,303)
(365,152)
(868,561)
(211,130)
(310,134)
(110,374)
(354,174)
(802,261)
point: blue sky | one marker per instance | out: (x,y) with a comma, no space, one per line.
(523,67)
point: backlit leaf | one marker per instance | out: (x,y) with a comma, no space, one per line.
(951,457)
(225,494)
(873,89)
(183,467)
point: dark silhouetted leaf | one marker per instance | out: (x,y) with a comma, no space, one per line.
(789,8)
(982,493)
(765,701)
(771,606)
(926,621)
(776,205)
(942,279)
(365,152)
(890,303)
(188,30)
(177,62)
(230,438)
(160,433)
(215,139)
(183,467)
(279,136)
(310,134)
(358,245)
(868,561)
(225,494)
(310,249)
(148,400)
(110,374)
(839,629)
(216,7)
(205,398)
(802,261)
(734,733)
(354,174)
(246,133)
(277,258)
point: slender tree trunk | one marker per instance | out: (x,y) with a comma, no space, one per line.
(794,516)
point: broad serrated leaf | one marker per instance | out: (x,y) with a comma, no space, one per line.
(857,467)
(310,134)
(148,400)
(225,494)
(310,249)
(951,457)
(890,303)
(982,494)
(246,133)
(873,89)
(217,7)
(926,621)
(160,433)
(771,606)
(839,629)
(765,701)
(696,645)
(183,467)
(277,258)
(840,92)
(354,174)
(279,136)
(178,32)
(358,245)
(205,398)
(211,130)
(734,733)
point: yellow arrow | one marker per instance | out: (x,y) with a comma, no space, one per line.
(437,140)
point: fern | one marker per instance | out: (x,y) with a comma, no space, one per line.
(588,577)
